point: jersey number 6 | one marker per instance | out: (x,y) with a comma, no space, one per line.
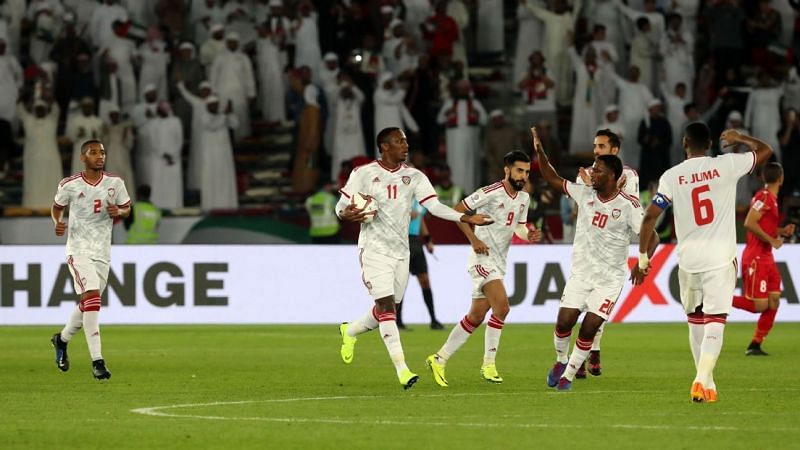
(703,208)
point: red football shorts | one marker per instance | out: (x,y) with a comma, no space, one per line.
(760,277)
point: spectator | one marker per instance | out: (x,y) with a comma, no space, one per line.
(422,98)
(65,54)
(529,38)
(202,15)
(198,104)
(789,136)
(122,51)
(83,127)
(612,121)
(45,17)
(499,139)
(725,20)
(307,50)
(187,70)
(270,62)
(676,100)
(677,48)
(390,109)
(41,161)
(324,227)
(538,92)
(448,193)
(218,172)
(163,137)
(348,137)
(213,46)
(109,19)
(762,113)
(118,142)
(634,97)
(155,58)
(463,116)
(585,112)
(142,223)
(441,30)
(655,139)
(232,78)
(644,52)
(306,160)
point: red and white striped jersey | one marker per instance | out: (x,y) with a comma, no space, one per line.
(702,191)
(394,192)
(507,209)
(603,232)
(89,226)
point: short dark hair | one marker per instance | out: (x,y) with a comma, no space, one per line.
(599,27)
(641,22)
(698,136)
(689,106)
(143,191)
(85,145)
(383,136)
(515,156)
(612,162)
(772,172)
(613,139)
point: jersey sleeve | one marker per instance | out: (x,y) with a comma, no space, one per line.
(636,217)
(476,200)
(743,163)
(577,192)
(123,198)
(760,202)
(353,185)
(631,186)
(62,197)
(523,218)
(423,191)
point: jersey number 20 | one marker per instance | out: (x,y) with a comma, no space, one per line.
(703,208)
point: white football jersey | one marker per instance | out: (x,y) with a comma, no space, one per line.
(89,226)
(603,232)
(507,209)
(631,186)
(394,192)
(702,191)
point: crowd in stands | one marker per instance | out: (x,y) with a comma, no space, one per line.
(173,86)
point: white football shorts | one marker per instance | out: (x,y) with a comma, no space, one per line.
(482,274)
(712,289)
(594,296)
(87,274)
(382,275)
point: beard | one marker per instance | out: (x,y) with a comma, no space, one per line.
(518,185)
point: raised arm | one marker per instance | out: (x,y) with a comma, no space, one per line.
(548,172)
(762,150)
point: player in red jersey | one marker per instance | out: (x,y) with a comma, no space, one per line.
(761,281)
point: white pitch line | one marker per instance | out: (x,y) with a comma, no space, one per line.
(158,411)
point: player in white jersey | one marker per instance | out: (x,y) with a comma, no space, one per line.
(95,198)
(506,203)
(383,242)
(607,219)
(702,192)
(606,142)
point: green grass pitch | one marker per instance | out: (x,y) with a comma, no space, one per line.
(285,387)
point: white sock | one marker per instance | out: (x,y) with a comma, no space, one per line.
(597,337)
(696,333)
(461,332)
(709,351)
(74,324)
(579,354)
(561,343)
(91,328)
(492,340)
(391,338)
(366,323)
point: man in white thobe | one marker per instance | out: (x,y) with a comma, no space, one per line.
(81,128)
(213,46)
(11,80)
(584,101)
(103,17)
(164,136)
(307,49)
(155,58)
(271,87)
(233,79)
(122,51)
(198,104)
(329,79)
(348,137)
(218,176)
(633,100)
(529,39)
(390,109)
(141,114)
(463,116)
(491,27)
(677,48)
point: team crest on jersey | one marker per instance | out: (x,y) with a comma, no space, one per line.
(111,192)
(476,197)
(521,209)
(616,213)
(406,179)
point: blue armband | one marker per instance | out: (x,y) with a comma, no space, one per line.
(662,201)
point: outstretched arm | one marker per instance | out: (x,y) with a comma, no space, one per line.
(548,172)
(445,212)
(477,245)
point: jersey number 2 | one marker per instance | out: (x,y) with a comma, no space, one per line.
(98,206)
(703,208)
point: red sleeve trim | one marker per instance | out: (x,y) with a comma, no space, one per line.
(57,206)
(124,205)
(464,202)
(754,163)
(427,198)
(344,193)
(564,187)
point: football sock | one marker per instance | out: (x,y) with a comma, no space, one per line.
(597,337)
(391,338)
(579,354)
(765,322)
(427,295)
(709,351)
(741,302)
(696,333)
(366,323)
(561,342)
(492,339)
(461,332)
(74,324)
(91,328)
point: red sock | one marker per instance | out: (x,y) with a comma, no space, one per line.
(740,302)
(765,323)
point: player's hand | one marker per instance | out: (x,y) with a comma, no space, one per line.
(112,209)
(731,137)
(776,243)
(480,248)
(60,228)
(477,219)
(585,177)
(429,246)
(353,214)
(537,143)
(534,235)
(637,275)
